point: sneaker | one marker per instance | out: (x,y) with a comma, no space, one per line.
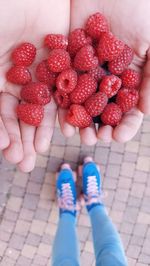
(66,192)
(91,182)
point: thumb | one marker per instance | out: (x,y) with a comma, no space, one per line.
(144,103)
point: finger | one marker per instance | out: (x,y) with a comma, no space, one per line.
(105,133)
(129,126)
(4,138)
(67,130)
(14,152)
(45,131)
(88,135)
(28,162)
(144,102)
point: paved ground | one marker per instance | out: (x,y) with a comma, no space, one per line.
(29,213)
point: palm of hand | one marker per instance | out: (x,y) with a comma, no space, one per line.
(129,21)
(29,21)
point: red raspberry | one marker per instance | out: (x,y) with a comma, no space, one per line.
(130,78)
(109,47)
(36,92)
(56,41)
(43,74)
(110,85)
(96,24)
(95,104)
(118,65)
(59,60)
(85,59)
(111,115)
(18,75)
(31,114)
(78,116)
(67,81)
(62,99)
(24,54)
(86,86)
(98,73)
(127,99)
(77,39)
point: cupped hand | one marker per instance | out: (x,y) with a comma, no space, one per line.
(27,20)
(129,21)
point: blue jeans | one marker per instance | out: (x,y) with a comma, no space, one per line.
(107,243)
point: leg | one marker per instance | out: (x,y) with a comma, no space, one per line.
(107,243)
(65,248)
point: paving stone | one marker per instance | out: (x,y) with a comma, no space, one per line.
(132,146)
(22,227)
(117,147)
(14,203)
(51,229)
(131,262)
(12,253)
(101,155)
(58,137)
(130,157)
(133,251)
(33,239)
(10,215)
(47,239)
(17,191)
(122,195)
(40,260)
(7,261)
(144,258)
(3,246)
(143,163)
(83,233)
(145,139)
(124,182)
(84,220)
(24,261)
(30,201)
(140,229)
(44,250)
(57,151)
(127,228)
(41,161)
(116,216)
(127,169)
(26,214)
(130,215)
(42,214)
(137,240)
(37,175)
(28,251)
(110,183)
(143,218)
(20,179)
(134,201)
(87,258)
(17,242)
(144,151)
(37,227)
(7,226)
(89,247)
(33,188)
(137,190)
(54,164)
(113,170)
(4,236)
(48,192)
(119,206)
(146,247)
(71,154)
(140,177)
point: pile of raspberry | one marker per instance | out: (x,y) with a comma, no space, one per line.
(87,73)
